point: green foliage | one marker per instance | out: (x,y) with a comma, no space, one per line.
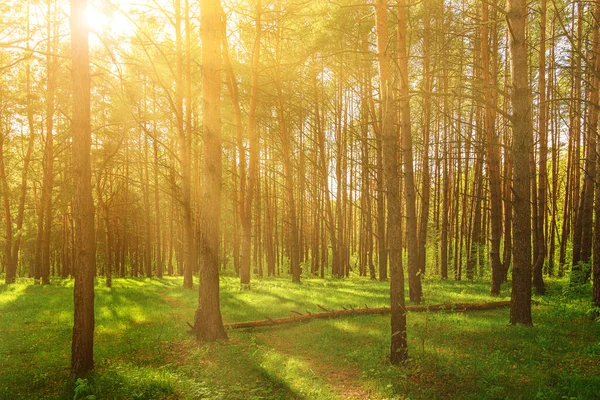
(142,350)
(581,273)
(83,390)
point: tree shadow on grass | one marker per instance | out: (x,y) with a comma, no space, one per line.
(188,371)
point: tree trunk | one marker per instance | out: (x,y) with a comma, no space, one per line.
(389,137)
(520,308)
(289,185)
(414,278)
(324,176)
(595,125)
(365,197)
(492,156)
(247,188)
(425,180)
(158,222)
(84,265)
(382,255)
(208,323)
(540,256)
(183,135)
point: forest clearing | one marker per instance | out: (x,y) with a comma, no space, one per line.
(143,350)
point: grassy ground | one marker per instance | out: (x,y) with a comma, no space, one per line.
(142,350)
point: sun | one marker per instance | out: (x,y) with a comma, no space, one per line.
(104,21)
(96,20)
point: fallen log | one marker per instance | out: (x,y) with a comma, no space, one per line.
(364,311)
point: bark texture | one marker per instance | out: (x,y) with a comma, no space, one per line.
(208,323)
(520,308)
(389,135)
(84,265)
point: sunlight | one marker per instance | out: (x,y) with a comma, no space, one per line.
(11,294)
(104,21)
(96,20)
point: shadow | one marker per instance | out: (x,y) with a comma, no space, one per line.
(236,309)
(262,382)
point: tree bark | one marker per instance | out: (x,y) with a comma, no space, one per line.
(389,138)
(540,246)
(520,308)
(253,141)
(425,179)
(84,265)
(183,135)
(414,278)
(208,323)
(492,156)
(594,130)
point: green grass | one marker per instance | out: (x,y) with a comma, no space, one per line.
(142,349)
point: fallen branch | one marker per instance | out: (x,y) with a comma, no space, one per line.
(365,311)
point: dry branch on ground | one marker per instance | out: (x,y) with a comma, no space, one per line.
(299,317)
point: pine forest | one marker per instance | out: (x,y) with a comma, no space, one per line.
(407,187)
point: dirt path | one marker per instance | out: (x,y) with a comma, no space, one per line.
(343,378)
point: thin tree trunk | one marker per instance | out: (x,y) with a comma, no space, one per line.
(540,256)
(425,180)
(247,188)
(287,166)
(594,130)
(492,156)
(189,253)
(414,277)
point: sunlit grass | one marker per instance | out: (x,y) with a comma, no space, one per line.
(142,349)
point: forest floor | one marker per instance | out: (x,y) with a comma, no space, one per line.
(142,349)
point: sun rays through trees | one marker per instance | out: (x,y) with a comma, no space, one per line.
(377,139)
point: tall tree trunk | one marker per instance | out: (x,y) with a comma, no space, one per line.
(253,142)
(425,179)
(159,251)
(84,265)
(446,197)
(288,171)
(365,197)
(324,175)
(585,210)
(540,256)
(340,149)
(414,278)
(594,130)
(572,186)
(239,172)
(382,253)
(507,186)
(11,267)
(554,134)
(42,245)
(591,129)
(208,323)
(492,155)
(520,308)
(183,135)
(389,137)
(13,244)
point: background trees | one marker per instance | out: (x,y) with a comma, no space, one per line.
(302,140)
